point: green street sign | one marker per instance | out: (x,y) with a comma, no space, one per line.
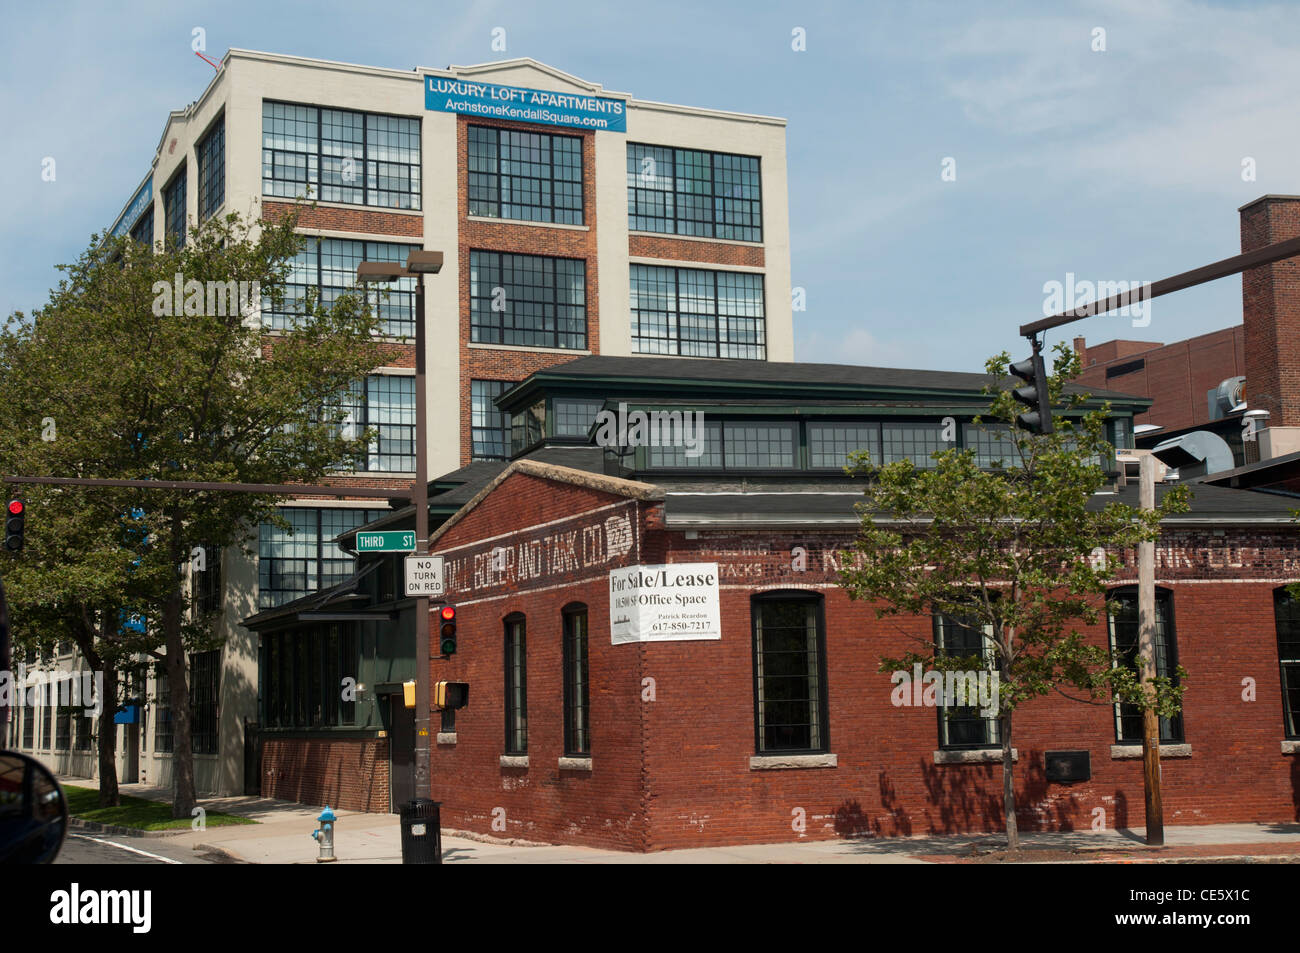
(389,541)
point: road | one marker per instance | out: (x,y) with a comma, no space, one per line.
(81,848)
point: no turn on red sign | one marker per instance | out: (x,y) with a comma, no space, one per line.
(424,576)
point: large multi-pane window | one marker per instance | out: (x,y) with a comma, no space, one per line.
(527,300)
(530,176)
(162,721)
(697,313)
(1123,616)
(174,207)
(207,582)
(1286,611)
(63,729)
(577,724)
(790,705)
(760,445)
(84,730)
(142,230)
(490,427)
(205,689)
(516,668)
(29,726)
(385,404)
(575,415)
(302,676)
(831,442)
(993,445)
(47,723)
(912,440)
(293,563)
(690,192)
(211,153)
(329,265)
(965,726)
(340,156)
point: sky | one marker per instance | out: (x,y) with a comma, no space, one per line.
(947,161)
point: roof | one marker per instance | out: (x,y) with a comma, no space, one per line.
(342,594)
(768,376)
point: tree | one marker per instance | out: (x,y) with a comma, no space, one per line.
(1014,551)
(153,363)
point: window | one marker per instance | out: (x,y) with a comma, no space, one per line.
(963,726)
(389,409)
(302,676)
(29,727)
(47,722)
(1121,433)
(329,265)
(85,729)
(63,729)
(831,442)
(526,427)
(490,428)
(205,683)
(697,313)
(574,416)
(207,582)
(531,176)
(211,153)
(348,157)
(912,440)
(750,445)
(516,668)
(675,456)
(292,564)
(174,208)
(162,723)
(688,192)
(577,728)
(790,708)
(142,230)
(993,445)
(527,300)
(1286,610)
(1124,651)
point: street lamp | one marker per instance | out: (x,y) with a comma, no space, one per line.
(419,263)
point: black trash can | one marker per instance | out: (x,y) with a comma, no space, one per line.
(422,831)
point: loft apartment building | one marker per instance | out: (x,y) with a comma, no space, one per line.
(575,221)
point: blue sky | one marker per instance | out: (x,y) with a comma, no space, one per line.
(1122,164)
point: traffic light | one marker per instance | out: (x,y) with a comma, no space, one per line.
(447,630)
(1038,419)
(450,694)
(15,513)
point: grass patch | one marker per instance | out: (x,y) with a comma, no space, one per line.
(138,812)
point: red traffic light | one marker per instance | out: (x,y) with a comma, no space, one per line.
(15,507)
(448,612)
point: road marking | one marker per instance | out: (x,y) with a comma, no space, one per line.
(134,850)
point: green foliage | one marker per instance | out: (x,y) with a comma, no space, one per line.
(1009,551)
(137,812)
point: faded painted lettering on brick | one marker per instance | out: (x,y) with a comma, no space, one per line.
(546,553)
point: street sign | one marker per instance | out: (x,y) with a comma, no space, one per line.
(424,576)
(388,541)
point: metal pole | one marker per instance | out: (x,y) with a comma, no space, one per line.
(420,499)
(5,666)
(288,489)
(1147,652)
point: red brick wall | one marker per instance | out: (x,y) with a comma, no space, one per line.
(674,772)
(477,235)
(713,253)
(1176,375)
(352,219)
(350,774)
(1270,298)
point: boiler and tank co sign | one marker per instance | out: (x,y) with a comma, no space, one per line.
(673,603)
(524,105)
(424,576)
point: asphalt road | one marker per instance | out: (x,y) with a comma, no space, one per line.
(112,849)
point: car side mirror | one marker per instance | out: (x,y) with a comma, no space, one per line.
(33,811)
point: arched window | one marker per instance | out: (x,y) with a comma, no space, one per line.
(577,726)
(1124,651)
(790,708)
(516,669)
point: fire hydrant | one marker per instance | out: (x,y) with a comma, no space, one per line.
(324,836)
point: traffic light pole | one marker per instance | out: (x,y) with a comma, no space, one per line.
(420,499)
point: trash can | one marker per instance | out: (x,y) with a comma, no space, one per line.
(422,831)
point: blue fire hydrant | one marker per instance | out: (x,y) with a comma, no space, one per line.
(324,835)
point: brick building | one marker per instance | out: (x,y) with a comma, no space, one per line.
(574,221)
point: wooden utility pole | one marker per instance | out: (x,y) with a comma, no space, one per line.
(1147,654)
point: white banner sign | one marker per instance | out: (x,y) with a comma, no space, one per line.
(424,575)
(673,603)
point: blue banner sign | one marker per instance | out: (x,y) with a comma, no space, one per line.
(134,210)
(524,105)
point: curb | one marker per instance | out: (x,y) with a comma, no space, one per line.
(225,852)
(94,827)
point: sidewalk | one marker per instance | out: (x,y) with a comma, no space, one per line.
(283,836)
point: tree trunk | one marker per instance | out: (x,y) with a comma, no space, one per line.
(1008,769)
(183,799)
(108,792)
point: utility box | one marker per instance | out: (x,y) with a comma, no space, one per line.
(1068,767)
